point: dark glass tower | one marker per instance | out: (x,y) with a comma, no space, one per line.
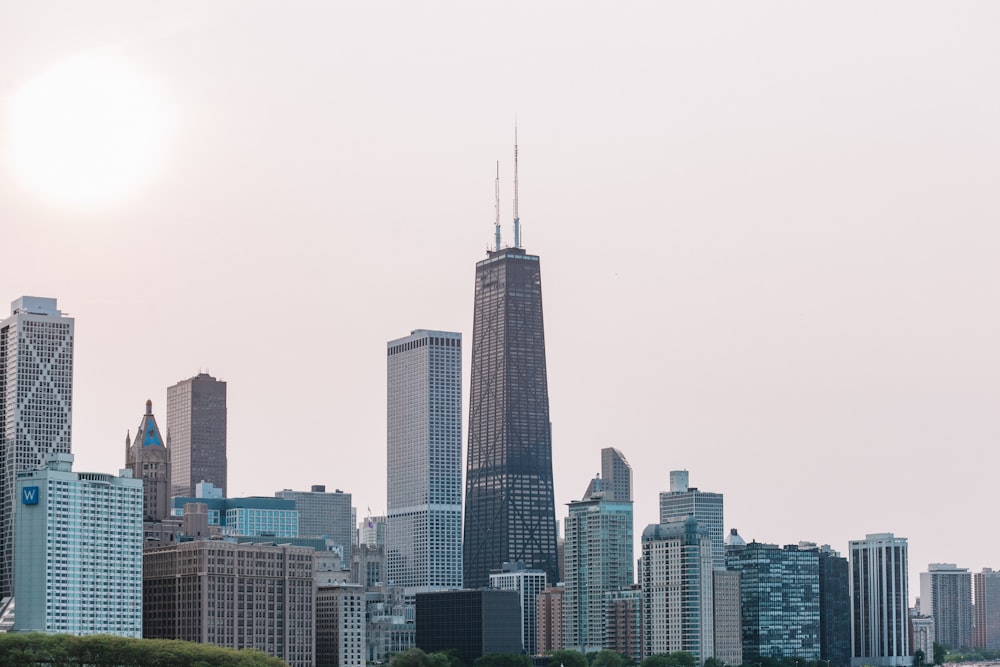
(509,502)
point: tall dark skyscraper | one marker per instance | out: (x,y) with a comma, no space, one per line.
(196,434)
(509,502)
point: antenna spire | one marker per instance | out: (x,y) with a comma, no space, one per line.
(497,189)
(517,219)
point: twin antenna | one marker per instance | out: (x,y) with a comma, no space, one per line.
(517,219)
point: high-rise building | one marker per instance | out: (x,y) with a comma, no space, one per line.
(598,560)
(509,500)
(340,626)
(677,589)
(946,595)
(323,514)
(683,500)
(36,404)
(779,595)
(196,433)
(550,620)
(424,442)
(78,551)
(241,517)
(987,624)
(149,460)
(472,622)
(617,474)
(834,608)
(238,596)
(728,618)
(623,628)
(529,584)
(371,531)
(879,598)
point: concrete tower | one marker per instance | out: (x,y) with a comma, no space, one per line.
(196,433)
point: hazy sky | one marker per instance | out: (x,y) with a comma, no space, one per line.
(768,235)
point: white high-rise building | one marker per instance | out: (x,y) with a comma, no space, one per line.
(78,553)
(424,442)
(683,501)
(528,584)
(879,599)
(340,626)
(946,595)
(36,403)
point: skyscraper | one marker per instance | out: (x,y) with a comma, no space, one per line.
(617,474)
(879,599)
(424,442)
(323,514)
(149,460)
(683,500)
(598,561)
(78,551)
(509,500)
(987,625)
(946,595)
(196,433)
(529,584)
(36,403)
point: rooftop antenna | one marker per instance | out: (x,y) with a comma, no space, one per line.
(517,219)
(498,206)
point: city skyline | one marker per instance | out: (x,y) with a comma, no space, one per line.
(768,233)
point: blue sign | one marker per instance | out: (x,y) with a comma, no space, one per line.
(29,495)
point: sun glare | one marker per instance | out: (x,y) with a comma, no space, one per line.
(87,132)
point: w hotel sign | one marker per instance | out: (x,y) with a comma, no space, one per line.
(29,495)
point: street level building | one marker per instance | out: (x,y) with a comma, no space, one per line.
(36,404)
(677,589)
(987,625)
(340,626)
(78,557)
(473,622)
(196,433)
(946,595)
(238,596)
(922,636)
(683,501)
(879,596)
(424,455)
(529,584)
(149,460)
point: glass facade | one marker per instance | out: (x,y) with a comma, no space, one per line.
(879,601)
(424,454)
(509,501)
(707,508)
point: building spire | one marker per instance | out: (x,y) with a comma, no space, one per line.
(517,219)
(497,190)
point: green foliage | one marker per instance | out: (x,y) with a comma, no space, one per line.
(939,653)
(503,660)
(31,649)
(919,658)
(714,662)
(567,659)
(607,658)
(675,659)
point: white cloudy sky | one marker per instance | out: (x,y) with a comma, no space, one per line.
(768,234)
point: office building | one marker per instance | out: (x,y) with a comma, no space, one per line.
(779,599)
(946,595)
(372,531)
(238,596)
(623,625)
(149,460)
(728,621)
(322,514)
(683,501)
(509,501)
(36,404)
(598,560)
(391,623)
(677,589)
(340,626)
(78,555)
(987,622)
(368,565)
(834,608)
(258,516)
(196,433)
(615,479)
(529,584)
(550,621)
(424,454)
(472,622)
(879,597)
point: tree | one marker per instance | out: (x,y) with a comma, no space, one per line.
(939,652)
(919,658)
(567,659)
(607,658)
(675,659)
(502,660)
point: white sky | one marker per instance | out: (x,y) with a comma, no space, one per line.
(768,235)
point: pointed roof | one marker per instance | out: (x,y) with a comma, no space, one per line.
(148,432)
